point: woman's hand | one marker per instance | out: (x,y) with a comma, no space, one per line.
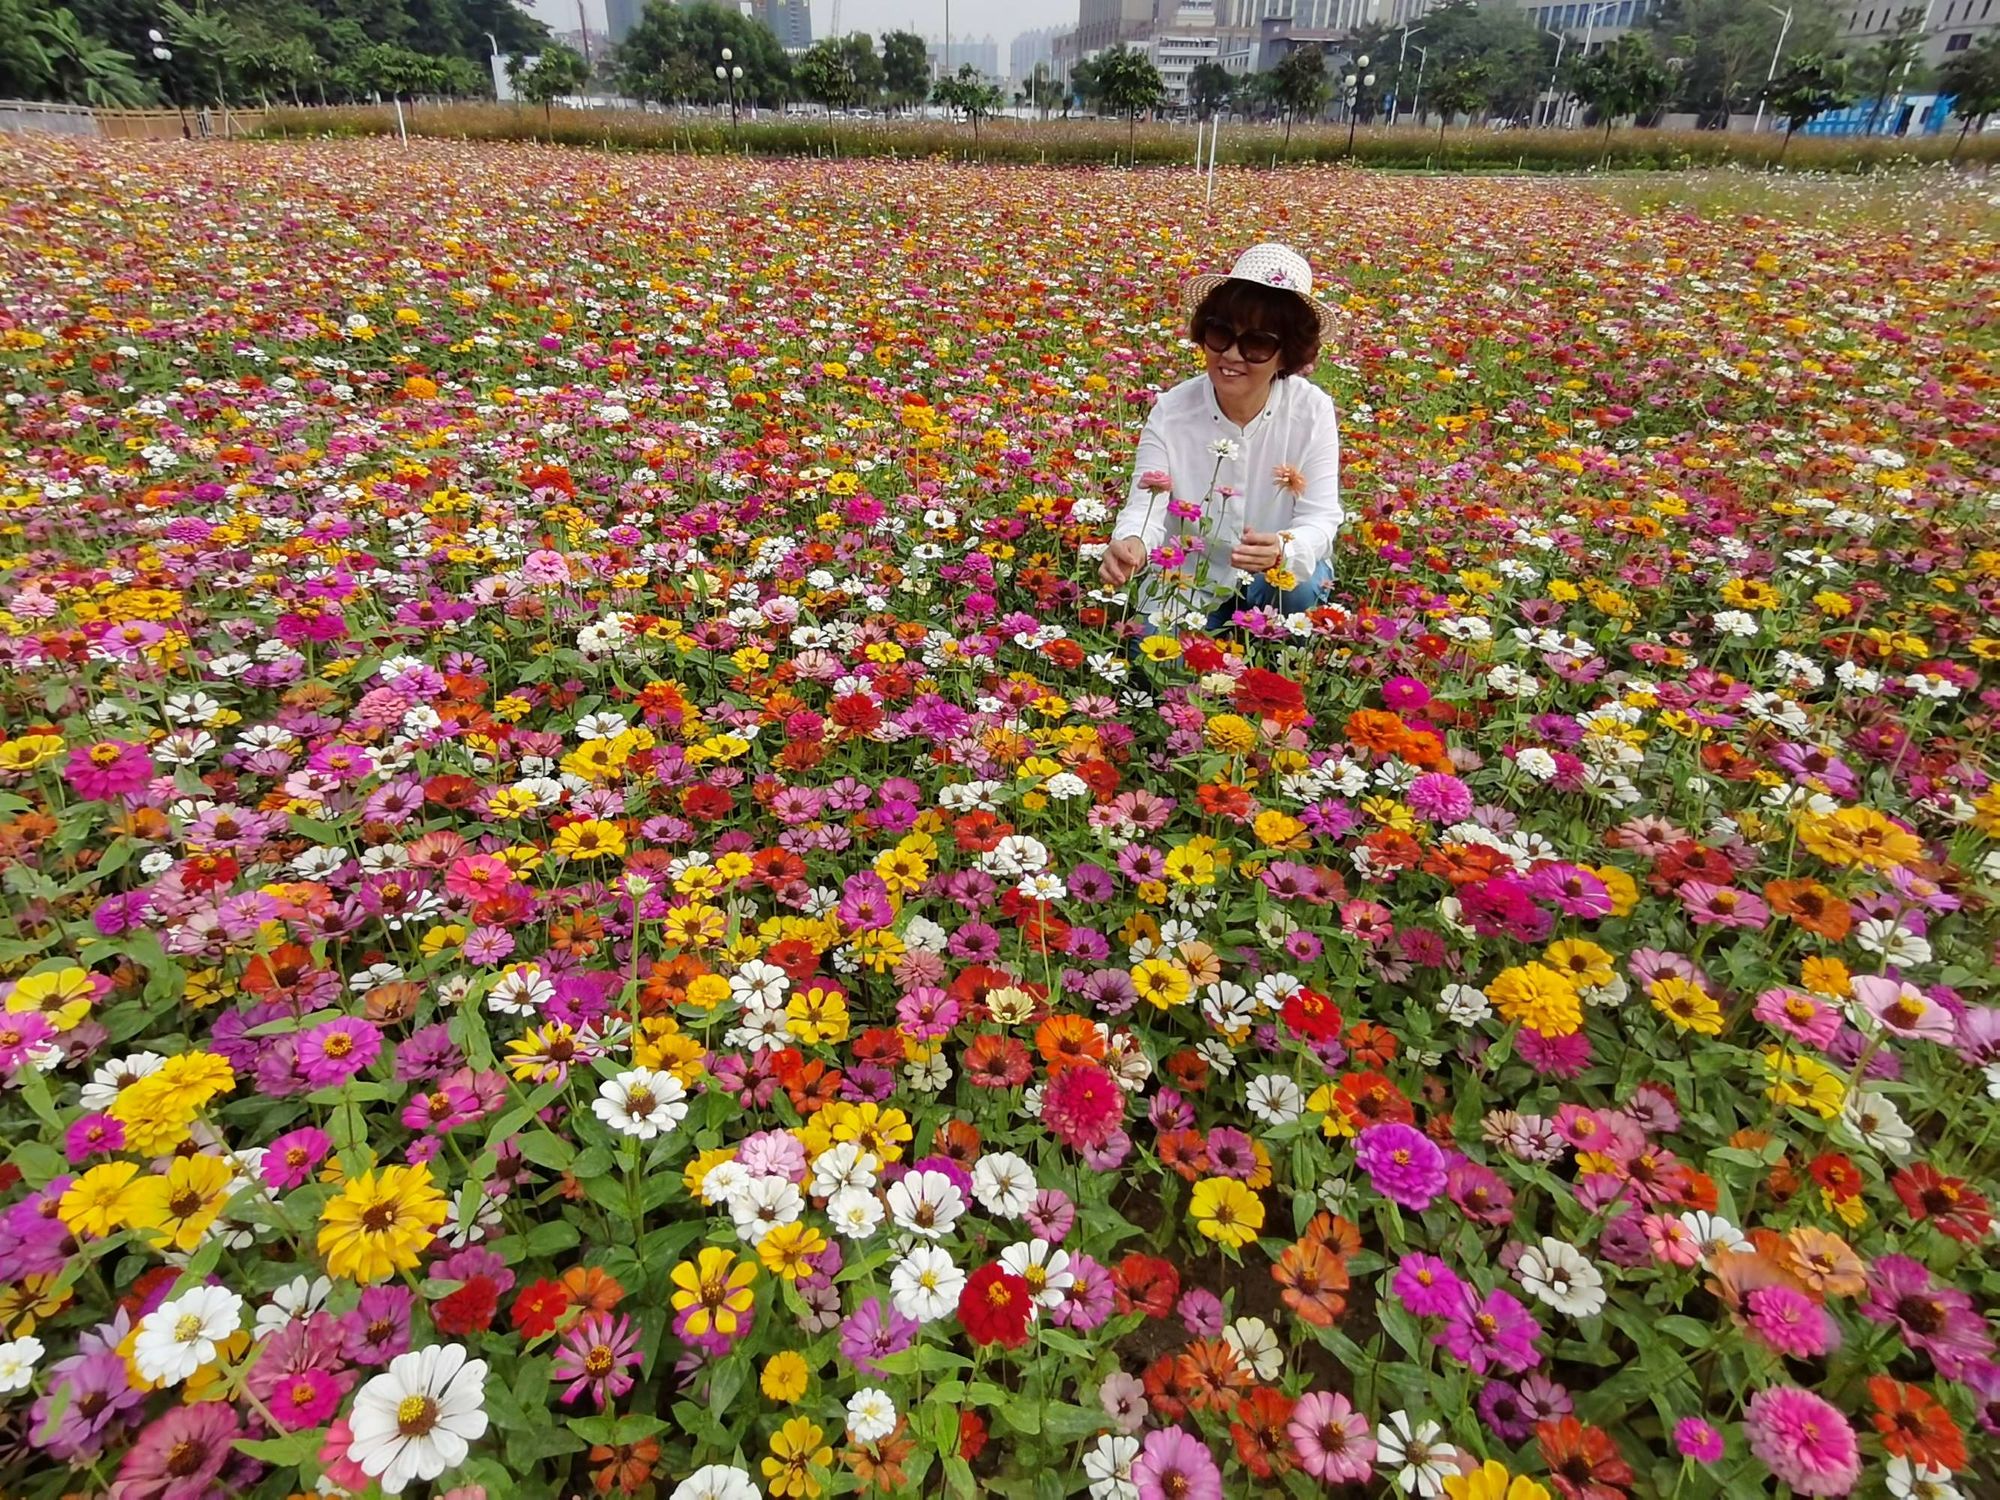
(1257,552)
(1122,559)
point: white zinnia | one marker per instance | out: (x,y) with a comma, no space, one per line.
(641,1103)
(1108,1467)
(419,1417)
(1274,1099)
(1257,1346)
(1418,1462)
(179,1337)
(1004,1184)
(925,1204)
(871,1415)
(717,1482)
(843,1165)
(854,1213)
(17,1362)
(1045,1268)
(1562,1276)
(925,1284)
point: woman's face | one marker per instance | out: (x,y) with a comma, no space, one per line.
(1235,375)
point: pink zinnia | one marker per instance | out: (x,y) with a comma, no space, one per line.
(1403,1164)
(1799,1015)
(1403,695)
(1331,1439)
(1083,1105)
(305,1400)
(1697,1440)
(107,769)
(181,1456)
(1176,1465)
(1804,1441)
(1789,1321)
(594,1357)
(293,1157)
(1438,797)
(336,1051)
(1903,1009)
(1710,905)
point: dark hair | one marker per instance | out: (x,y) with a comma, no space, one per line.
(1247,306)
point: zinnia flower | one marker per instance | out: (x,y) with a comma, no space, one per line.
(1803,1440)
(381,1223)
(419,1417)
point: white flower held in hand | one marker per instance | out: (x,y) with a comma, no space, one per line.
(419,1417)
(179,1337)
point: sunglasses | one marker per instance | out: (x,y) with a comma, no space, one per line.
(1256,348)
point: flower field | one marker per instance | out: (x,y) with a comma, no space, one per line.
(603,905)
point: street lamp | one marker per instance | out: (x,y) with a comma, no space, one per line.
(1562,40)
(1355,84)
(1402,55)
(1417,94)
(165,54)
(730,76)
(1772,71)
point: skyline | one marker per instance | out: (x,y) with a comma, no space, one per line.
(969,21)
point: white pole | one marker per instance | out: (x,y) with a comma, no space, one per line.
(1214,135)
(401,129)
(1562,37)
(1197,144)
(1776,53)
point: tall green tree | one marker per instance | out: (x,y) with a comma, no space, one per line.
(1461,89)
(24,64)
(670,55)
(559,71)
(1300,85)
(1085,86)
(1209,86)
(82,68)
(968,91)
(1625,77)
(906,67)
(1812,85)
(1972,79)
(1879,69)
(1727,48)
(825,76)
(1499,36)
(864,66)
(1127,82)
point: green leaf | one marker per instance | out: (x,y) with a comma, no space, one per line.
(287,1452)
(546,1149)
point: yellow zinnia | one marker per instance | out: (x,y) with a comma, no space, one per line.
(784,1378)
(381,1223)
(589,838)
(1686,1004)
(1161,982)
(1226,1211)
(714,1291)
(61,996)
(1538,997)
(785,1247)
(1491,1481)
(100,1202)
(175,1211)
(796,1450)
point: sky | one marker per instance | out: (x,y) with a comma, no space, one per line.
(969,18)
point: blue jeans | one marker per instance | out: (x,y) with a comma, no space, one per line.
(1258,594)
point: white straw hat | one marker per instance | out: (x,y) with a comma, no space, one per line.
(1269,264)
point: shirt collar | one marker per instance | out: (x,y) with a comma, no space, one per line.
(1215,405)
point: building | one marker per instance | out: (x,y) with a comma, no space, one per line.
(620,16)
(1029,50)
(1104,24)
(983,54)
(790,21)
(1950,26)
(1595,23)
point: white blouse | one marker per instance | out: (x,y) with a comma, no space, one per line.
(1298,429)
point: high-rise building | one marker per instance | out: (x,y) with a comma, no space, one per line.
(620,16)
(1029,49)
(790,21)
(1592,21)
(1950,26)
(983,53)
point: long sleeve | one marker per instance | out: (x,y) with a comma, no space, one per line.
(1319,515)
(1145,511)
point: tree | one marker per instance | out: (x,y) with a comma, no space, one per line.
(969,92)
(1515,53)
(906,67)
(1043,92)
(1460,90)
(1882,64)
(1972,79)
(670,56)
(1726,49)
(24,65)
(1299,85)
(1812,85)
(824,76)
(81,68)
(1625,77)
(559,71)
(1128,82)
(1084,86)
(857,51)
(1209,86)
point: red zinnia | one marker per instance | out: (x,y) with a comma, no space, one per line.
(1954,1206)
(971,1435)
(1583,1461)
(994,1307)
(1259,1429)
(1308,1013)
(539,1307)
(1266,695)
(470,1309)
(1145,1284)
(1914,1426)
(1083,1105)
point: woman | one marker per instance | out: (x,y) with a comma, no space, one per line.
(1245,457)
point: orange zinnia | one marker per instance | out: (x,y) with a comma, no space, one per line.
(1212,1375)
(1811,905)
(592,1289)
(1314,1280)
(1067,1041)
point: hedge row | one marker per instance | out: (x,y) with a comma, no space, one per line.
(1079,142)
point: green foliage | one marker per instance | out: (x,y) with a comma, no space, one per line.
(1625,78)
(558,72)
(970,92)
(1300,85)
(1883,68)
(76,66)
(1972,78)
(906,67)
(1726,48)
(1209,86)
(825,77)
(1810,86)
(671,55)
(1461,89)
(1127,82)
